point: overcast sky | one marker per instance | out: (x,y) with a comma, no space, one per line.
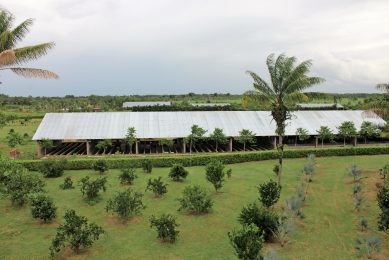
(127,47)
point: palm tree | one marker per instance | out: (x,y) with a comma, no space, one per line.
(379,106)
(11,56)
(288,80)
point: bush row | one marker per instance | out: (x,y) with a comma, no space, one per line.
(202,159)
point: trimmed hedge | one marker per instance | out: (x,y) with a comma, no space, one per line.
(202,159)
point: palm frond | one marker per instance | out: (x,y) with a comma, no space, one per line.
(278,71)
(21,30)
(33,52)
(379,107)
(34,73)
(383,87)
(260,85)
(6,20)
(7,57)
(270,62)
(258,97)
(6,40)
(295,97)
(297,73)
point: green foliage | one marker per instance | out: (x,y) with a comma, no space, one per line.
(168,142)
(363,224)
(131,137)
(228,173)
(195,200)
(218,137)
(196,134)
(369,130)
(357,188)
(20,184)
(125,204)
(14,139)
(285,228)
(384,171)
(104,145)
(247,242)
(383,204)
(46,144)
(90,189)
(245,137)
(265,219)
(157,186)
(355,172)
(347,130)
(100,166)
(67,184)
(178,172)
(325,133)
(309,167)
(269,193)
(166,227)
(127,176)
(368,245)
(302,134)
(52,168)
(42,207)
(147,165)
(214,172)
(76,231)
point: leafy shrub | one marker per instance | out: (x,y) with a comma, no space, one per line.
(294,204)
(363,224)
(265,219)
(309,169)
(368,245)
(42,207)
(147,166)
(359,200)
(383,204)
(51,168)
(285,228)
(355,172)
(90,189)
(125,204)
(67,184)
(228,173)
(178,172)
(100,166)
(247,242)
(357,188)
(195,200)
(384,171)
(157,186)
(269,193)
(166,227)
(127,176)
(76,231)
(214,172)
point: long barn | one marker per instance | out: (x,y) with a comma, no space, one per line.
(79,132)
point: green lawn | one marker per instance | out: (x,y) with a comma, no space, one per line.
(327,232)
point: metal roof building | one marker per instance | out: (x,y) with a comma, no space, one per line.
(209,104)
(159,125)
(146,103)
(319,105)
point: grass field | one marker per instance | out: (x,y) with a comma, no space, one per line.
(327,232)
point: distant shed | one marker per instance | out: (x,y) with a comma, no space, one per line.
(146,103)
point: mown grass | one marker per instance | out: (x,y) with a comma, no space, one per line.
(327,232)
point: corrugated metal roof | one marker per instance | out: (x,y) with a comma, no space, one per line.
(155,125)
(210,104)
(146,103)
(319,105)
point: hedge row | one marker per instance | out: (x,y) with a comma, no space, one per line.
(202,159)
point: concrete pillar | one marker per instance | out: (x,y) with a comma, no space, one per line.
(88,148)
(183,146)
(39,150)
(316,141)
(231,141)
(275,142)
(355,141)
(137,147)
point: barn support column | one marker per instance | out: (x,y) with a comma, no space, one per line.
(230,145)
(275,142)
(183,146)
(88,147)
(355,141)
(136,147)
(316,141)
(39,150)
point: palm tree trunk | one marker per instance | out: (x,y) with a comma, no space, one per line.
(190,147)
(365,140)
(295,143)
(344,141)
(280,160)
(244,146)
(322,142)
(216,146)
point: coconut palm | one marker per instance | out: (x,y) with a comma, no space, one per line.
(380,106)
(288,80)
(12,56)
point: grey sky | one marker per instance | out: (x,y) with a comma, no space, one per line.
(168,47)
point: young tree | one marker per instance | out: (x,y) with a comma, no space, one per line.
(168,142)
(77,232)
(11,56)
(46,144)
(157,186)
(42,207)
(288,80)
(126,204)
(14,139)
(67,184)
(100,166)
(269,193)
(301,134)
(369,130)
(196,134)
(127,176)
(347,130)
(384,171)
(218,137)
(245,137)
(131,137)
(383,204)
(104,145)
(52,168)
(147,165)
(178,172)
(91,189)
(214,172)
(166,227)
(196,200)
(368,245)
(325,133)
(247,242)
(355,172)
